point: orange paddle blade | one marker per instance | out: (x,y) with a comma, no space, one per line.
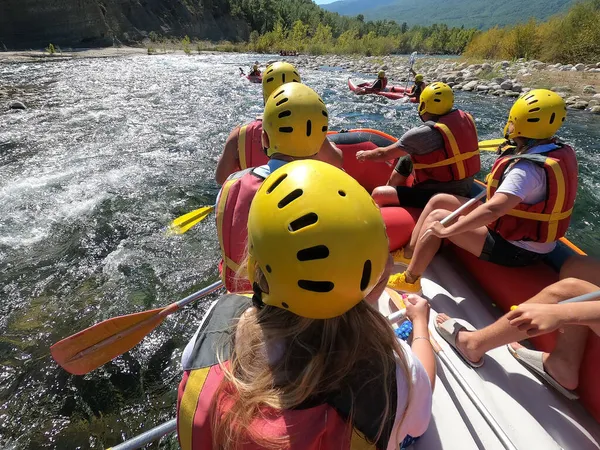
(89,349)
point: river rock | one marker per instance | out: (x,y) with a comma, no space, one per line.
(572,100)
(486,67)
(579,67)
(469,86)
(506,85)
(517,87)
(451,84)
(511,94)
(498,92)
(566,67)
(595,110)
(589,89)
(593,102)
(483,87)
(560,88)
(17,105)
(581,104)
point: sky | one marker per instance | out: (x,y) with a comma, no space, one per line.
(323,2)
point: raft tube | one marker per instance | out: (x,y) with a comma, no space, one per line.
(391,92)
(254,78)
(370,174)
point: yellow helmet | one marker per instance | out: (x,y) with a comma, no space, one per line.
(318,238)
(536,115)
(418,78)
(276,75)
(381,74)
(295,119)
(437,99)
(255,67)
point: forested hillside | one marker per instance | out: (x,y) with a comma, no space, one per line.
(480,14)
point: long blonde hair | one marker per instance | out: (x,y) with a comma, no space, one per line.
(321,357)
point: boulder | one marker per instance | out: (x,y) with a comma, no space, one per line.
(579,67)
(17,105)
(566,67)
(498,80)
(505,63)
(578,105)
(469,86)
(589,90)
(596,96)
(450,83)
(511,94)
(562,94)
(572,99)
(517,87)
(483,87)
(506,85)
(595,110)
(593,102)
(498,92)
(560,88)
(486,67)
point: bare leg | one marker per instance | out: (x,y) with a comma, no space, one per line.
(425,250)
(385,196)
(563,364)
(439,201)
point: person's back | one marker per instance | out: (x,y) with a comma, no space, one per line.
(294,126)
(308,362)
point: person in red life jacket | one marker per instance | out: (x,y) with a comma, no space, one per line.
(530,196)
(418,87)
(255,72)
(294,126)
(378,85)
(307,363)
(443,153)
(539,315)
(244,147)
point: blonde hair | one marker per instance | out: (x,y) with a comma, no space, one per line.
(321,357)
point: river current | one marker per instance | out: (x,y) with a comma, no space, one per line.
(107,154)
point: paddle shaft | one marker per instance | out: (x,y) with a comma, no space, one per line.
(583,298)
(485,413)
(456,213)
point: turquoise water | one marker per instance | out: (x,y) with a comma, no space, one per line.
(109,151)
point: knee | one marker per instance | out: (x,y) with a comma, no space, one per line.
(437,215)
(442,201)
(564,289)
(383,195)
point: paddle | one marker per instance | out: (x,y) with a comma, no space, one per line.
(187,221)
(411,63)
(89,349)
(582,298)
(242,71)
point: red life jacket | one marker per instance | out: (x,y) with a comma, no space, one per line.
(320,424)
(232,225)
(458,159)
(250,149)
(384,81)
(548,220)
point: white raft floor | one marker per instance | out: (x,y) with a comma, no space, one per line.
(532,415)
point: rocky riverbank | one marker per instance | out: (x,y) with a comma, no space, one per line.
(577,84)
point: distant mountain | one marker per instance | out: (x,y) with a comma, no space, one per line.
(470,13)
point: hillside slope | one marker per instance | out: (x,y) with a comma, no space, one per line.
(76,23)
(470,13)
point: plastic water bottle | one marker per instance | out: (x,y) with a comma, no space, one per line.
(404,330)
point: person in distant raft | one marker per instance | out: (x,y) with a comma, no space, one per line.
(418,87)
(307,363)
(244,148)
(530,196)
(443,153)
(255,72)
(294,126)
(378,85)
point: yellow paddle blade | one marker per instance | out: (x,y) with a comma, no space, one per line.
(491,145)
(187,221)
(89,349)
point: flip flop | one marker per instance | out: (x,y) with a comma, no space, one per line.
(532,360)
(449,330)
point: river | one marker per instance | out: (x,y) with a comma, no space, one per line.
(107,154)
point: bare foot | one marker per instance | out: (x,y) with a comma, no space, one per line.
(463,341)
(562,371)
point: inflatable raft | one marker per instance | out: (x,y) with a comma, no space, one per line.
(254,78)
(529,413)
(391,92)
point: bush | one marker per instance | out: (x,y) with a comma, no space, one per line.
(186,44)
(153,36)
(51,49)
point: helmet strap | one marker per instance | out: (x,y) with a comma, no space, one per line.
(257,296)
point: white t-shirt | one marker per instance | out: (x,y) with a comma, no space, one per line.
(527,180)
